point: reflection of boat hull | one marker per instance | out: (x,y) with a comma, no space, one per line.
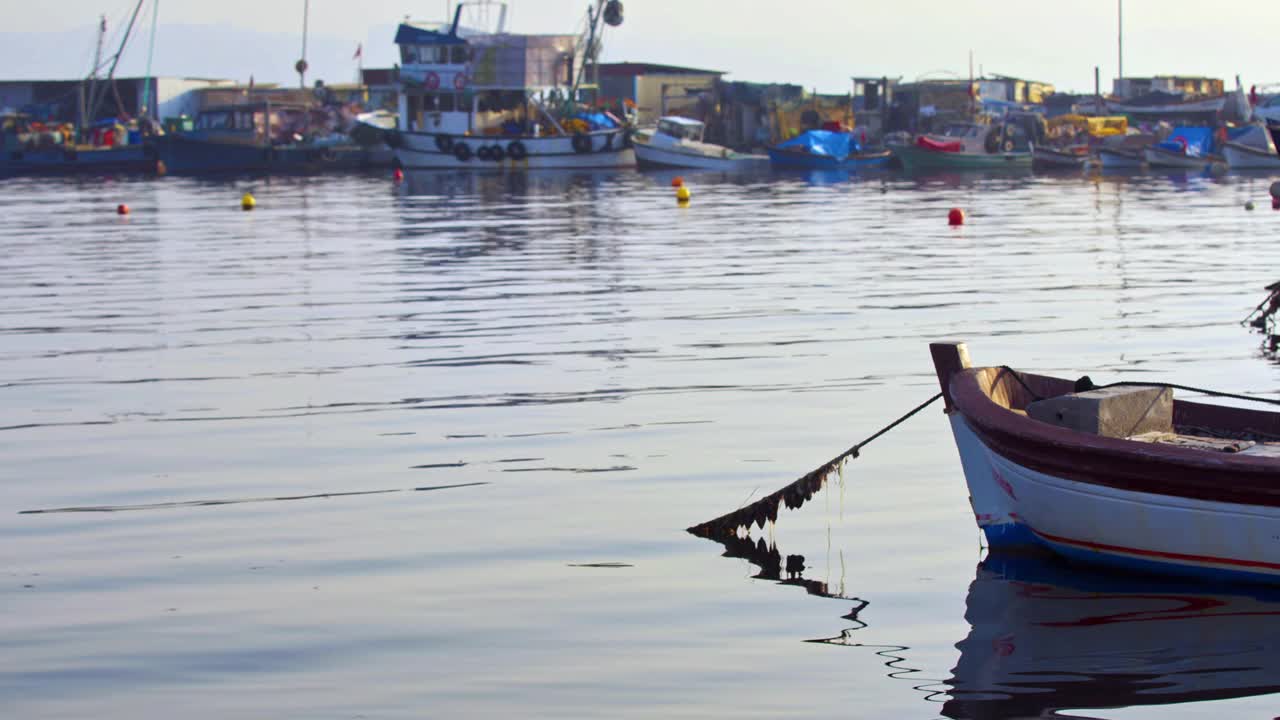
(811,161)
(1116,159)
(600,149)
(128,158)
(649,155)
(1045,638)
(1160,157)
(914,157)
(1114,500)
(191,155)
(1244,157)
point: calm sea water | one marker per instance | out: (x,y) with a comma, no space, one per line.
(511,394)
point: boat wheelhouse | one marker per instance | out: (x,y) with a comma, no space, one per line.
(473,99)
(678,142)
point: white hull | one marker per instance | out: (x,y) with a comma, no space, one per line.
(650,155)
(421,151)
(1112,160)
(1102,524)
(1243,157)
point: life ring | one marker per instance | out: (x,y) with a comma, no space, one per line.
(581,143)
(431,81)
(1008,146)
(393,139)
(483,153)
(462,151)
(497,154)
(444,143)
(459,81)
(517,151)
(1181,141)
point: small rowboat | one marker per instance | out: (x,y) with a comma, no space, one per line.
(1121,476)
(1073,158)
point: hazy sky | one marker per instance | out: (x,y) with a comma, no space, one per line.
(816,43)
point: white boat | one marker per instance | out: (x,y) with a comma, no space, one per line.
(676,142)
(1252,148)
(1121,476)
(491,99)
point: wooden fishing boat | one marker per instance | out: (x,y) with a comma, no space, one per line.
(1122,476)
(1071,158)
(677,142)
(1252,148)
(1187,148)
(826,150)
(1118,158)
(966,146)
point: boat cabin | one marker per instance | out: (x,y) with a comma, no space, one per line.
(261,124)
(681,128)
(468,83)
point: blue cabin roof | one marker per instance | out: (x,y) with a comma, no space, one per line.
(410,35)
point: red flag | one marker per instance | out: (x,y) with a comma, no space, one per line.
(359,52)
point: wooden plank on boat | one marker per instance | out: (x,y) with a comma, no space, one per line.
(1118,412)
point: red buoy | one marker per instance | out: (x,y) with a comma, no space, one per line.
(122,209)
(677,181)
(955,217)
(398,175)
(1275,203)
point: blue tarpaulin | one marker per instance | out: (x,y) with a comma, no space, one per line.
(838,145)
(597,121)
(1197,141)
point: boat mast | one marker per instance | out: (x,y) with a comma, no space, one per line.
(93,73)
(301,65)
(1120,35)
(145,105)
(115,61)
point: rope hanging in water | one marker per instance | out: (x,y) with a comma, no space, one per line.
(797,493)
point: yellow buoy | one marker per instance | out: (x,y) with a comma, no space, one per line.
(248,202)
(683,194)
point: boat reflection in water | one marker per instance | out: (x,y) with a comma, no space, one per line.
(1048,637)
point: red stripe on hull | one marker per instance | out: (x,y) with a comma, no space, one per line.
(1182,557)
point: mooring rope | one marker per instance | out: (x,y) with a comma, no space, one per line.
(797,493)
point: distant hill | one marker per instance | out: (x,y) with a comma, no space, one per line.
(214,51)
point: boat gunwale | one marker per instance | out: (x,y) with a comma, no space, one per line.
(1121,463)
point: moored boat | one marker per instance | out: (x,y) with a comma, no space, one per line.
(826,150)
(965,146)
(476,100)
(1120,158)
(1187,148)
(1118,475)
(1251,148)
(1069,158)
(260,137)
(677,142)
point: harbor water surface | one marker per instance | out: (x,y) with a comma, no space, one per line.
(430,450)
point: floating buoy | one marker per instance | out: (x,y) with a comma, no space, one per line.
(683,194)
(1275,189)
(677,181)
(122,209)
(1248,205)
(398,175)
(161,168)
(1275,203)
(248,202)
(955,217)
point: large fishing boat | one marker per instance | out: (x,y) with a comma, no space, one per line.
(492,99)
(968,146)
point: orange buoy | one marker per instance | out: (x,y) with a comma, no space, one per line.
(398,175)
(677,181)
(122,209)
